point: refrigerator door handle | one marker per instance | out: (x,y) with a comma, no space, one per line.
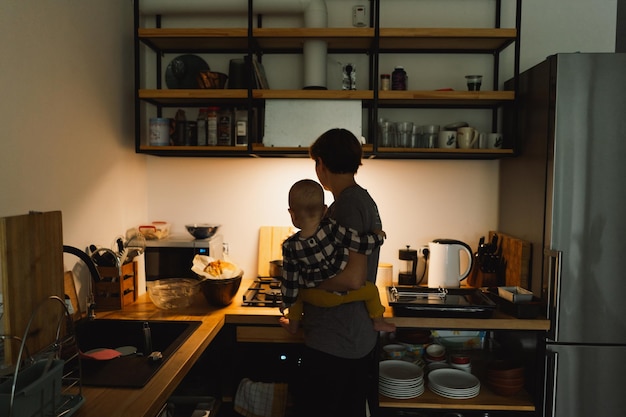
(550,388)
(553,259)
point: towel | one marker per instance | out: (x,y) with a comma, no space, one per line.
(261,399)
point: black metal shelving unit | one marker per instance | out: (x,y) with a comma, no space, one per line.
(373,41)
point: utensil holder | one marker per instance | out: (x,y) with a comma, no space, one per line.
(117,287)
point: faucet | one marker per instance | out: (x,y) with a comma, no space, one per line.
(95,276)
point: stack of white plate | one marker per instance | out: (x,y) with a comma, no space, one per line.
(453,383)
(400,379)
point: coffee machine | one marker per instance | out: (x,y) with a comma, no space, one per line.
(408,266)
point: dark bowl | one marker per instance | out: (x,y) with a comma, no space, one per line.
(220,292)
(212,79)
(202,230)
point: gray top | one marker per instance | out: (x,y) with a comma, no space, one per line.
(346,330)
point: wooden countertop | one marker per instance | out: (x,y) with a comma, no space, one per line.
(147,401)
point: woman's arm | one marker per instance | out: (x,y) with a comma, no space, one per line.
(352,277)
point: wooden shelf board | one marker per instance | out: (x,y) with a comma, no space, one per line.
(441,39)
(499,152)
(179,97)
(396,39)
(294,38)
(192,93)
(485,401)
(444,97)
(194,149)
(314,94)
(167,39)
(484,98)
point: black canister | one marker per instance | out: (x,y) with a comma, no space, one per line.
(238,74)
(408,271)
(398,79)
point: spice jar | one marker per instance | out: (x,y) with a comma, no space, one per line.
(385,81)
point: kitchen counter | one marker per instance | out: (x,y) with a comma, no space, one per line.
(147,401)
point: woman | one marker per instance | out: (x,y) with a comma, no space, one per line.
(338,358)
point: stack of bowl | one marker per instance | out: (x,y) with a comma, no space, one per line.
(505,377)
(461,361)
(435,357)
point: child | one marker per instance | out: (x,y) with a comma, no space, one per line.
(319,251)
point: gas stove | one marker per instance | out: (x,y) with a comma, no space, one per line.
(263,292)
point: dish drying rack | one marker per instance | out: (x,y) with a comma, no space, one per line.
(47,383)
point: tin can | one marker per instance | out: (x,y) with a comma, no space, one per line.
(159,131)
(398,79)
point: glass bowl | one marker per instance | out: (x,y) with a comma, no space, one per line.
(172,292)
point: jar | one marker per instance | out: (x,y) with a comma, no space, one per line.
(398,79)
(385,81)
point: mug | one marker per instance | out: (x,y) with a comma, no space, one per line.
(447,139)
(466,137)
(482,140)
(494,140)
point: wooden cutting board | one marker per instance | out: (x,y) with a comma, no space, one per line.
(270,246)
(517,254)
(31,270)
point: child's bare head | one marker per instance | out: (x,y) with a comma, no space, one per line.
(306,199)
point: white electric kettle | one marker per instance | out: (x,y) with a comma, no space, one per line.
(444,264)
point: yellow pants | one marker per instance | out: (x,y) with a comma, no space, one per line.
(322,298)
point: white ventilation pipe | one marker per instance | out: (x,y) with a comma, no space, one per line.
(315,16)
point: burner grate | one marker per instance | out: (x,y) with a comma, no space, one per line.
(263,292)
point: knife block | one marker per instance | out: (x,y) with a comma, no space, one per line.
(478,278)
(117,287)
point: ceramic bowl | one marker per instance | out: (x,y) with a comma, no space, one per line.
(394,351)
(435,352)
(220,292)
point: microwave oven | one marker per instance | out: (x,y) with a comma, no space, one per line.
(172,257)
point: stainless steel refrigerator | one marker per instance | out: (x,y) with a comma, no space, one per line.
(566,194)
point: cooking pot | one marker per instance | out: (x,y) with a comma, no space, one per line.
(444,265)
(276,268)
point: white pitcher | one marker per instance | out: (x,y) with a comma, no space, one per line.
(444,264)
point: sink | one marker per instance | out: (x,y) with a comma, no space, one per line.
(135,370)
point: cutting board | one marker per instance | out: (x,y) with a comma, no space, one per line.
(31,270)
(517,254)
(270,246)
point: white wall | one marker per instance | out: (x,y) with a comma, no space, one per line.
(66,113)
(67,119)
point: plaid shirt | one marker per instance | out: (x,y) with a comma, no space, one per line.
(308,262)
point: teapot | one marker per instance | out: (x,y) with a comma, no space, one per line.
(444,265)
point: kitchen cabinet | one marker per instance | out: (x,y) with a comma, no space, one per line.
(254,326)
(374,42)
(509,328)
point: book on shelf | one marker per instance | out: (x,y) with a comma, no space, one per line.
(259,73)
